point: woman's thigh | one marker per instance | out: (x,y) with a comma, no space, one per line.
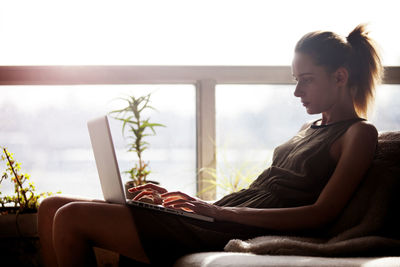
(109,226)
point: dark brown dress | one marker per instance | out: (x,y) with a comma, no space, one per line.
(300,169)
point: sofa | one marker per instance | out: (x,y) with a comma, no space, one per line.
(367,233)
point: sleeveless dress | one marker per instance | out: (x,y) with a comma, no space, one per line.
(300,169)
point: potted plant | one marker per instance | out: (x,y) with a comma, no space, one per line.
(18,215)
(229,177)
(136,128)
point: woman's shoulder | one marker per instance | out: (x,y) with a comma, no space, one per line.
(364,130)
(363,126)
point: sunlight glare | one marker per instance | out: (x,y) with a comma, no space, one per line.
(178,32)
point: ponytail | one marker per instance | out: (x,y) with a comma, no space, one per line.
(365,69)
(357,53)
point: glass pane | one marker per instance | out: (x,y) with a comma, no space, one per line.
(386,116)
(180,32)
(45,128)
(253,119)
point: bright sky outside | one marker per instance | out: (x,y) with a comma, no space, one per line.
(181,32)
(26,99)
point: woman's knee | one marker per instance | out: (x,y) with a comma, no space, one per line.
(51,204)
(48,207)
(68,214)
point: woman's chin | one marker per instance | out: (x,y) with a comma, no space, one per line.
(311,111)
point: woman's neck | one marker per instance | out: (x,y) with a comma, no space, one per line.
(343,110)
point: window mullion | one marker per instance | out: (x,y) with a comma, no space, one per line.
(205,122)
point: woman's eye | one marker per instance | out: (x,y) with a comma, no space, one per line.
(307,80)
(303,80)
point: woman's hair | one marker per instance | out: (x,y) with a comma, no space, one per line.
(357,53)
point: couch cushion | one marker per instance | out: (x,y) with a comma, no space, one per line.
(388,148)
(234,259)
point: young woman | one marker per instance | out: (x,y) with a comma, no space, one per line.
(311,179)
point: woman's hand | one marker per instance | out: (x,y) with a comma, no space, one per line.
(149,193)
(179,200)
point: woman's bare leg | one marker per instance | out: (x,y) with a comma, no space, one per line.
(47,209)
(78,226)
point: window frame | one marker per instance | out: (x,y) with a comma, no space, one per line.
(204,78)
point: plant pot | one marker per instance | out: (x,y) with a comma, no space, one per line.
(18,225)
(19,241)
(131,184)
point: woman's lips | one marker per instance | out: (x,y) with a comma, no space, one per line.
(305,103)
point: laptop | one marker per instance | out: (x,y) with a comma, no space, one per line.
(109,174)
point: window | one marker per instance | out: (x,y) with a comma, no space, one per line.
(45,128)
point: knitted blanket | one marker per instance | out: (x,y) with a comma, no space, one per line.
(368,226)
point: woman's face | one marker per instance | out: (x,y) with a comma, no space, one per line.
(315,86)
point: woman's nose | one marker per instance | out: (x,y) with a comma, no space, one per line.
(298,92)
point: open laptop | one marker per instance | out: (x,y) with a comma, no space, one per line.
(109,174)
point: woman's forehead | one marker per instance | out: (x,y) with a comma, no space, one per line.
(303,64)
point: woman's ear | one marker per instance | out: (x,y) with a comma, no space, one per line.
(341,76)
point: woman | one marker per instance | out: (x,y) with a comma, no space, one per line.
(311,179)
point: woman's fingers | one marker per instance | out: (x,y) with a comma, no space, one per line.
(196,206)
(149,196)
(142,194)
(179,204)
(177,195)
(152,193)
(148,186)
(173,202)
(168,199)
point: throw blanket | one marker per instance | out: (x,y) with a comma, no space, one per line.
(368,226)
